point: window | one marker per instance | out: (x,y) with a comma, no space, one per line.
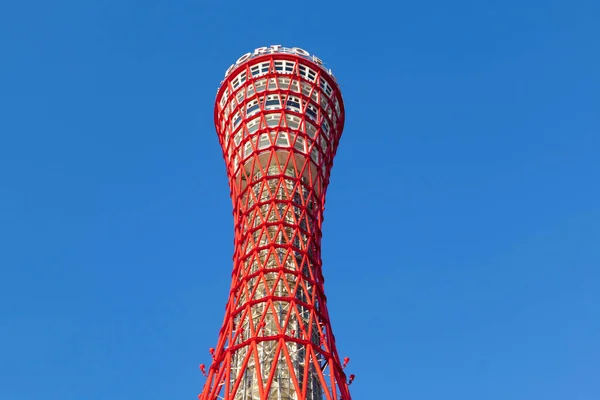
(247,149)
(264,141)
(293,104)
(282,139)
(264,67)
(314,154)
(299,144)
(325,127)
(261,85)
(328,91)
(292,121)
(284,83)
(324,103)
(325,86)
(311,129)
(253,125)
(295,87)
(252,108)
(324,145)
(237,139)
(240,96)
(311,111)
(306,89)
(272,103)
(236,120)
(273,119)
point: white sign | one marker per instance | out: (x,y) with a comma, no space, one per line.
(276,48)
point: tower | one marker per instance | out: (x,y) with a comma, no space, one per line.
(279,116)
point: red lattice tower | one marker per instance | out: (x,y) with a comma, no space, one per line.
(279,117)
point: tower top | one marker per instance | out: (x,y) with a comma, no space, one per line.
(278,49)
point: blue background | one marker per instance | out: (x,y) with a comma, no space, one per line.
(461,241)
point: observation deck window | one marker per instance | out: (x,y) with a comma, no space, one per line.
(311,111)
(272,102)
(325,86)
(302,69)
(282,139)
(293,121)
(237,139)
(236,119)
(293,104)
(306,89)
(295,87)
(259,69)
(284,83)
(225,96)
(253,125)
(314,154)
(324,145)
(325,127)
(240,79)
(286,67)
(240,96)
(324,103)
(261,85)
(273,119)
(252,108)
(264,142)
(311,129)
(249,147)
(300,144)
(264,67)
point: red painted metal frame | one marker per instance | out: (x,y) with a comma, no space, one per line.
(261,216)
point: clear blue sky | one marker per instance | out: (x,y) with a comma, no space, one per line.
(462,228)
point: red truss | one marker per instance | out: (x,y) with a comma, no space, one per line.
(279,118)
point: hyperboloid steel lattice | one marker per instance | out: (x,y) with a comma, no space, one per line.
(279,117)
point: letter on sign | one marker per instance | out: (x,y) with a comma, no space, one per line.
(300,51)
(243,58)
(260,50)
